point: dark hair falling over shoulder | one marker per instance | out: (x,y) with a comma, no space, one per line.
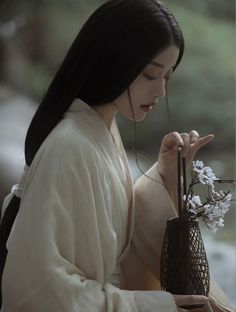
(110,51)
(112,48)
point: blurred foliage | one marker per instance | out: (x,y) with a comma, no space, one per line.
(215,8)
(201,92)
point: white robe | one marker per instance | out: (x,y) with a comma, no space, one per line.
(75,225)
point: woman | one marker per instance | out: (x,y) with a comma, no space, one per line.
(69,247)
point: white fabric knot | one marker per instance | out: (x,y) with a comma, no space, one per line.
(17,188)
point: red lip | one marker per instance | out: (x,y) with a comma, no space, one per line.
(146,108)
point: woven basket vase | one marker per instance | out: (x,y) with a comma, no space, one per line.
(184,265)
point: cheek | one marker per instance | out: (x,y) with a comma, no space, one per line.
(140,88)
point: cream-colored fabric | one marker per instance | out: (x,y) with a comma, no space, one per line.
(152,208)
(219,301)
(74,225)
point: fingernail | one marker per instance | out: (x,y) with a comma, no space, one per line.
(194,139)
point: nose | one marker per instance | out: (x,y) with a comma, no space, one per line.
(160,89)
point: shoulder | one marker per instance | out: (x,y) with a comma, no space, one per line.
(69,137)
(68,145)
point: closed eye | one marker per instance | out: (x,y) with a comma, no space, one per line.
(153,78)
(149,77)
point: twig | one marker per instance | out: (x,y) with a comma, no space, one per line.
(179,185)
(184,184)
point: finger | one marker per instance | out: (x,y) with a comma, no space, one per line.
(172,140)
(202,141)
(186,139)
(194,136)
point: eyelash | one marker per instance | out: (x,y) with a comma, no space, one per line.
(153,78)
(148,77)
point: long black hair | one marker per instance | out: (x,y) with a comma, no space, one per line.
(115,44)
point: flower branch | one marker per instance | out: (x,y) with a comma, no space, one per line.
(216,203)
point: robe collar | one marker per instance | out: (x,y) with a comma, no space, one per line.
(94,121)
(109,142)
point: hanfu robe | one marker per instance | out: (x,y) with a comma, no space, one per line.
(81,225)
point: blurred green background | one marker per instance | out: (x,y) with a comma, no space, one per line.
(35,35)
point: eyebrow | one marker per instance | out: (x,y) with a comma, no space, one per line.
(157,64)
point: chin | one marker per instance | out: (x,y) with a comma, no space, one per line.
(137,118)
(140,118)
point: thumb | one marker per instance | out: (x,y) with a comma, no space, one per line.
(201,142)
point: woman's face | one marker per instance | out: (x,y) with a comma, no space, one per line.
(149,86)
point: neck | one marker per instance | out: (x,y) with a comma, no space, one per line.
(107,112)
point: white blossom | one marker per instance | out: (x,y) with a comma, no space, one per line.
(213,226)
(213,210)
(194,201)
(220,222)
(206,176)
(198,165)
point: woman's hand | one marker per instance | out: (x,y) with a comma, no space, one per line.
(189,143)
(189,300)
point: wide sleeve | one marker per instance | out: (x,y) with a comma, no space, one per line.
(153,207)
(62,249)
